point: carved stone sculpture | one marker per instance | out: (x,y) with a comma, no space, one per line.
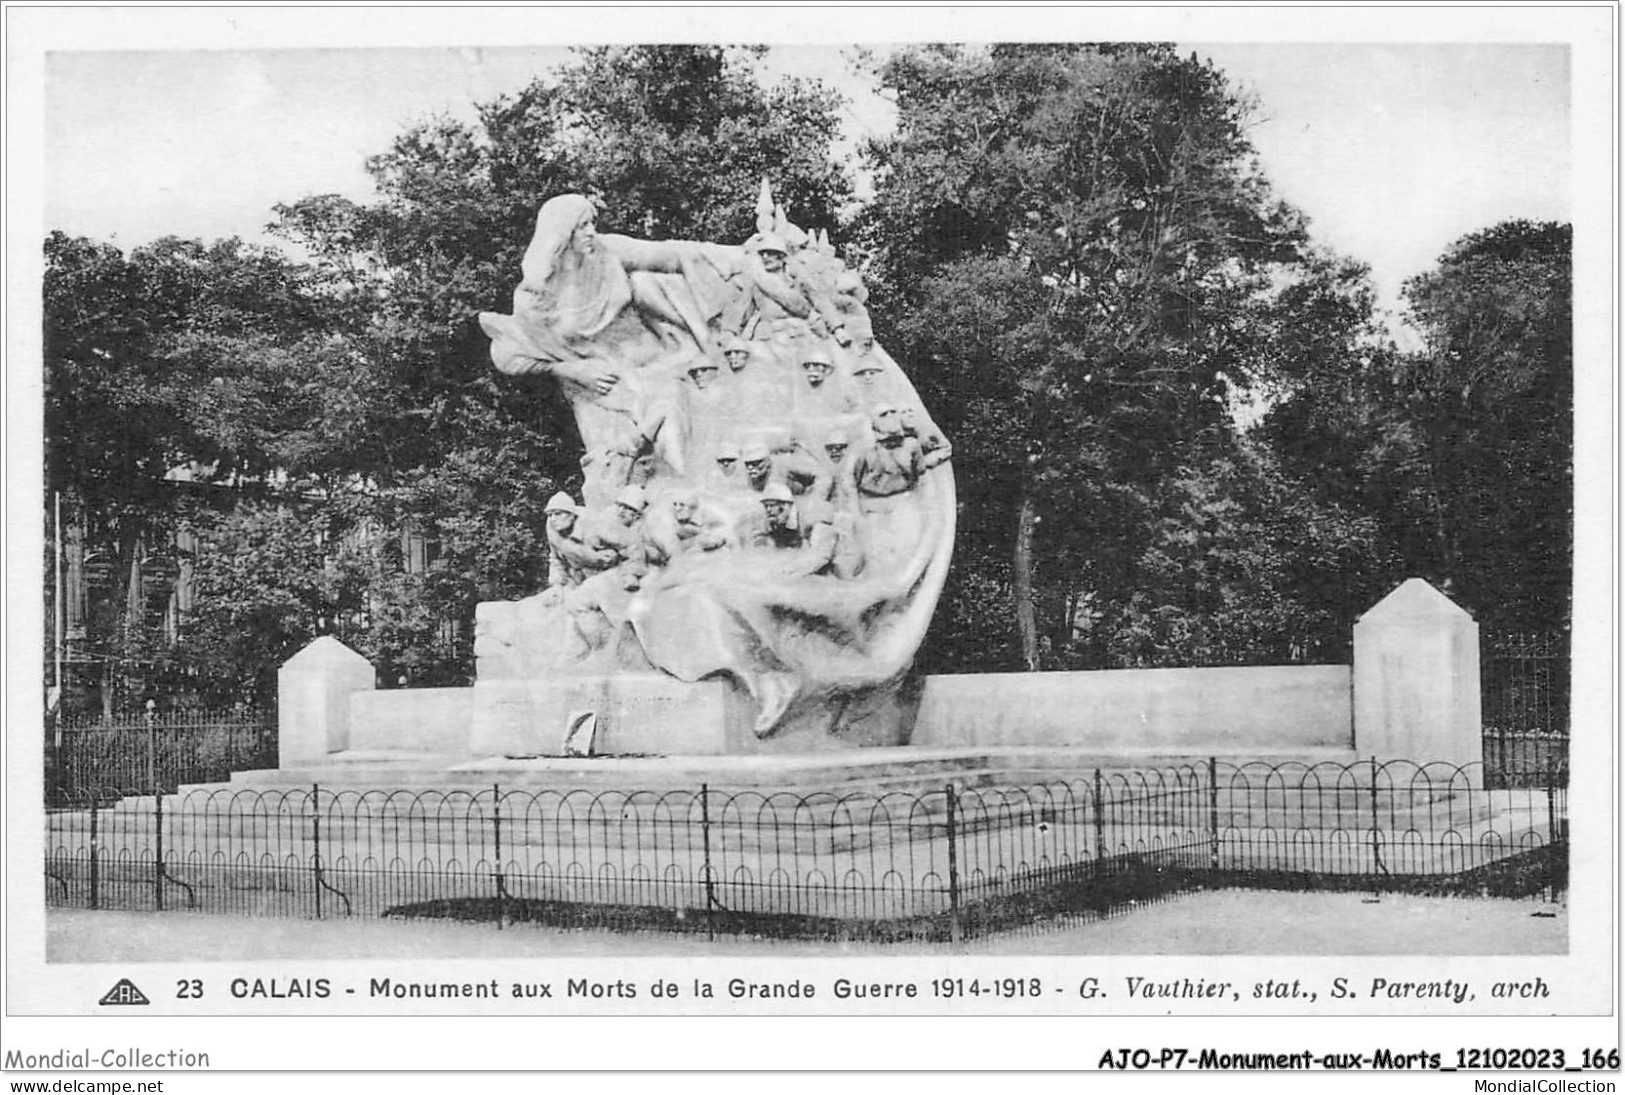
(767,503)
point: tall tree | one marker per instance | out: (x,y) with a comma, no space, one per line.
(1491,400)
(1068,238)
(1461,452)
(127,408)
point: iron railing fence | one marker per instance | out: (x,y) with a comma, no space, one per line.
(1524,685)
(144,754)
(946,863)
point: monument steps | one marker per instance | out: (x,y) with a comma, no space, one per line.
(876,770)
(1013,805)
(1283,790)
(772,832)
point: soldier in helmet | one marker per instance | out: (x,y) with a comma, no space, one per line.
(775,306)
(736,352)
(934,448)
(783,459)
(681,525)
(812,544)
(570,560)
(867,371)
(843,463)
(749,388)
(779,527)
(837,445)
(816,367)
(703,372)
(758,466)
(893,464)
(771,250)
(709,406)
(620,533)
(725,474)
(821,394)
(869,376)
(599,606)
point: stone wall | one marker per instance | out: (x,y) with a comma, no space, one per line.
(1267,708)
(426,720)
(1411,694)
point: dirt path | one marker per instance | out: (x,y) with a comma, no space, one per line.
(1224,922)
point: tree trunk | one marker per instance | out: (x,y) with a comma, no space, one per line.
(1445,543)
(1022,583)
(117,642)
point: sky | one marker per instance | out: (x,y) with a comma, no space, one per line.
(1392,149)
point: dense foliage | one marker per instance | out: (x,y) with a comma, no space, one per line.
(1083,267)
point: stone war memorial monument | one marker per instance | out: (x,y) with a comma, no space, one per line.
(766,522)
(768,509)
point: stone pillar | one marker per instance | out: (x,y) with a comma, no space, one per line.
(1416,687)
(313,700)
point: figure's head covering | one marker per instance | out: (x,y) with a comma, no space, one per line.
(556,222)
(837,437)
(702,365)
(770,241)
(728,450)
(733,344)
(632,497)
(753,452)
(817,356)
(777,492)
(561,503)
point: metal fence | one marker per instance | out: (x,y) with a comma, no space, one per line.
(1525,695)
(940,864)
(151,753)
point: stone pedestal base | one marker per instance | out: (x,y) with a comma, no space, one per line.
(314,692)
(630,714)
(1416,679)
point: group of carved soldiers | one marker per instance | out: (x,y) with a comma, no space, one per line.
(805,501)
(766,489)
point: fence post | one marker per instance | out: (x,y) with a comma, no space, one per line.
(152,747)
(953,865)
(1553,840)
(95,873)
(1100,824)
(55,745)
(1213,811)
(1377,867)
(496,823)
(705,867)
(316,845)
(1551,800)
(158,848)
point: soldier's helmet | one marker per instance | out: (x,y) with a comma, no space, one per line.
(887,422)
(770,242)
(632,497)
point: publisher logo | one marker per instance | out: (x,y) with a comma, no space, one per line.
(124,992)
